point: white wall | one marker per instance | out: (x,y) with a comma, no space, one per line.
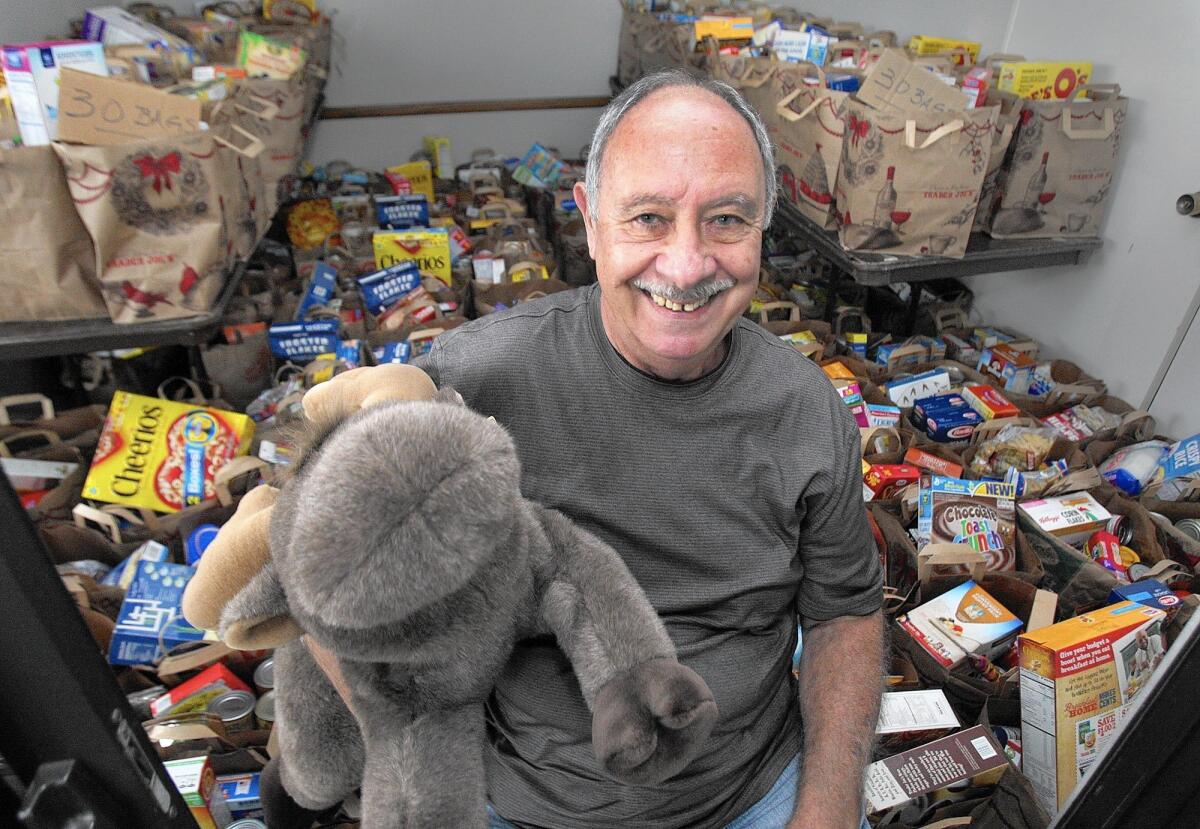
(22,21)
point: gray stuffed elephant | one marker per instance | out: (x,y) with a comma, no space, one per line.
(402,545)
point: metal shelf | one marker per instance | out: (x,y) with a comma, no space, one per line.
(984,254)
(29,340)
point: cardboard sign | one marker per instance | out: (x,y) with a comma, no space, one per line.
(897,84)
(96,110)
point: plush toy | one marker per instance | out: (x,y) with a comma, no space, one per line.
(402,545)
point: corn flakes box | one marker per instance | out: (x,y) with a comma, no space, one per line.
(162,454)
(429,248)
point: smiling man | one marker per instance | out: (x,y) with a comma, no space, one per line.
(720,464)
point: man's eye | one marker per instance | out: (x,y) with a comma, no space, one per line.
(728,220)
(648,219)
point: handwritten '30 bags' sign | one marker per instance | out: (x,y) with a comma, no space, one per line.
(154,212)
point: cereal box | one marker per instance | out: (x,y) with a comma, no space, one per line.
(962,621)
(1078,679)
(162,454)
(430,249)
(980,514)
(1070,518)
(968,758)
(1045,80)
(414,178)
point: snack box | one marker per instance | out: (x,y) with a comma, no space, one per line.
(242,794)
(1043,80)
(885,480)
(979,514)
(1070,518)
(852,397)
(988,402)
(150,621)
(983,338)
(936,346)
(198,692)
(962,350)
(197,782)
(880,415)
(1078,678)
(962,621)
(413,178)
(429,249)
(162,454)
(925,460)
(908,390)
(1012,369)
(1150,592)
(962,760)
(303,341)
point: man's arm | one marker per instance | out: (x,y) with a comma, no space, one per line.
(841,683)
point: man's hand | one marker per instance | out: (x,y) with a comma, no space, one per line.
(841,683)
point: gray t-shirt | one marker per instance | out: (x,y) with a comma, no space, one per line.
(736,502)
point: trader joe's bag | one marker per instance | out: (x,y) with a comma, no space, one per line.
(161,454)
(810,128)
(49,270)
(153,210)
(1002,133)
(1057,180)
(911,185)
(273,111)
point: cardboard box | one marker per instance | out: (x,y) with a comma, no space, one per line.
(964,620)
(197,782)
(911,389)
(197,692)
(162,454)
(415,178)
(1078,678)
(899,86)
(970,757)
(989,402)
(1043,80)
(979,514)
(905,712)
(151,621)
(886,480)
(837,370)
(1012,369)
(1150,592)
(925,45)
(430,249)
(724,28)
(1070,518)
(103,111)
(32,72)
(933,463)
(242,794)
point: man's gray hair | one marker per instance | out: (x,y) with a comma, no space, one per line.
(636,92)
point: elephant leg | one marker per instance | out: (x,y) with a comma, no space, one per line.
(280,810)
(427,772)
(320,741)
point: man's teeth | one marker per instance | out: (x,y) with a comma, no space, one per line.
(676,306)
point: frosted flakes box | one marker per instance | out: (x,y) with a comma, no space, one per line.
(1078,679)
(162,454)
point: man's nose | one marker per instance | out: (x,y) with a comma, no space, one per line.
(685,259)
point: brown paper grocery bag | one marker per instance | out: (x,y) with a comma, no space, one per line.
(49,270)
(748,75)
(1002,132)
(273,111)
(153,210)
(910,186)
(810,123)
(1058,178)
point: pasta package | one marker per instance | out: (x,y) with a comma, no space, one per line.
(161,454)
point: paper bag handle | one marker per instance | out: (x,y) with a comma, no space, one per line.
(138,516)
(51,439)
(522,266)
(792,308)
(25,400)
(932,555)
(1138,424)
(492,208)
(865,436)
(264,108)
(1109,123)
(254,144)
(1001,57)
(784,111)
(910,133)
(945,318)
(488,190)
(83,514)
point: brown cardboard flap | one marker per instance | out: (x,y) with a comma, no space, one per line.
(193,660)
(1045,604)
(933,555)
(897,84)
(99,110)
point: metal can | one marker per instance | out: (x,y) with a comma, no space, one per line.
(264,675)
(1189,526)
(236,710)
(1121,528)
(247,823)
(264,711)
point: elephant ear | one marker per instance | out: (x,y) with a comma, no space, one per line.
(336,399)
(235,586)
(258,617)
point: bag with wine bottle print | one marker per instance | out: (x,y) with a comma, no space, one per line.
(1058,175)
(154,212)
(810,124)
(910,186)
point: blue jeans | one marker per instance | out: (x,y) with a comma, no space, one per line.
(772,812)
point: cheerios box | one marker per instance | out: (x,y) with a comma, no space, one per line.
(163,454)
(1078,679)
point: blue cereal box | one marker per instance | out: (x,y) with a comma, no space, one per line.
(320,289)
(303,341)
(1150,592)
(402,212)
(393,353)
(150,622)
(242,794)
(386,287)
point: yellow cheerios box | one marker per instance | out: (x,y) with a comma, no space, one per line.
(162,454)
(430,249)
(1043,81)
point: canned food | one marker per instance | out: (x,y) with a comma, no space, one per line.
(264,675)
(236,710)
(264,711)
(1121,528)
(247,823)
(1189,526)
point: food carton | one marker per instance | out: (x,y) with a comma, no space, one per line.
(430,249)
(979,514)
(1078,679)
(197,782)
(967,758)
(151,620)
(963,621)
(1014,370)
(1070,518)
(907,391)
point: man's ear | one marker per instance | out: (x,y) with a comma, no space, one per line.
(589,216)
